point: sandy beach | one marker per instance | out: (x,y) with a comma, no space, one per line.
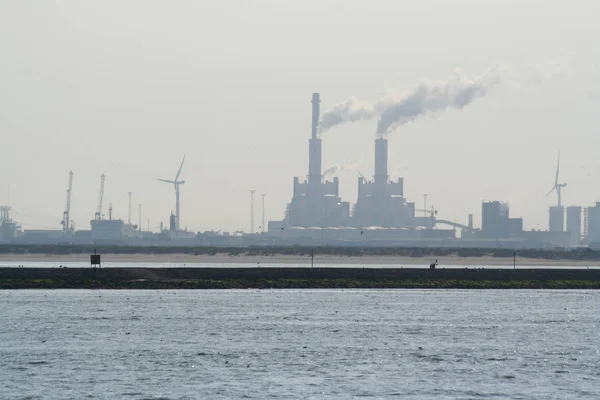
(292,259)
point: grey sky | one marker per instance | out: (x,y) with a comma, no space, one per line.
(125,88)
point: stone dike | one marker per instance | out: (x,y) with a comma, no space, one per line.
(297,278)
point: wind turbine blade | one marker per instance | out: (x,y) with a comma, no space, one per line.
(551,190)
(164,180)
(181,166)
(557,170)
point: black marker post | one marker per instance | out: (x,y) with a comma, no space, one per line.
(95,260)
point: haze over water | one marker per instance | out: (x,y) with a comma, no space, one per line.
(443,344)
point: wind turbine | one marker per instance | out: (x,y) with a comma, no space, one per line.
(176,184)
(557,186)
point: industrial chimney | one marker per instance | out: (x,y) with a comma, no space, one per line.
(314,145)
(381,161)
(315,113)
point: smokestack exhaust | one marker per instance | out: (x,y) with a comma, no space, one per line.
(428,98)
(314,145)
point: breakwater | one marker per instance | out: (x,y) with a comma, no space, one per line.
(288,278)
(585,254)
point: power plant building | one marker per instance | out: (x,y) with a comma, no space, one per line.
(316,203)
(381,202)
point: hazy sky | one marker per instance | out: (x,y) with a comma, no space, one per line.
(125,88)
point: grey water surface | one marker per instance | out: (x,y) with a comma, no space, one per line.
(297,344)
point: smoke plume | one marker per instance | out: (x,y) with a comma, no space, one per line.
(335,168)
(431,98)
(350,110)
(428,98)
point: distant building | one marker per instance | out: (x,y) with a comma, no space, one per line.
(574,224)
(8,228)
(547,239)
(496,223)
(557,219)
(172,223)
(107,231)
(381,202)
(593,227)
(43,236)
(316,203)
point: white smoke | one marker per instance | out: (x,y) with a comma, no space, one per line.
(428,98)
(336,168)
(432,97)
(351,110)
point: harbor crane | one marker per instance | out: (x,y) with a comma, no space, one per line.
(98,215)
(66,224)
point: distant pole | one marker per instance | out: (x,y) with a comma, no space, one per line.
(425,207)
(140,217)
(148,224)
(262,226)
(515,260)
(312,258)
(252,210)
(129,216)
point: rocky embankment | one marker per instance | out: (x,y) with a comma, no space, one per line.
(288,278)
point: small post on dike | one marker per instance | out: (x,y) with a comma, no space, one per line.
(95,260)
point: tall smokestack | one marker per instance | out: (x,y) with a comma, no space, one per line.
(314,145)
(381,156)
(315,113)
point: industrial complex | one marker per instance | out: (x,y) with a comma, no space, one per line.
(317,215)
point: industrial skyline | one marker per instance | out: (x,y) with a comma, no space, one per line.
(317,212)
(316,176)
(139,98)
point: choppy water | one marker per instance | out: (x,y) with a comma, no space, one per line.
(434,344)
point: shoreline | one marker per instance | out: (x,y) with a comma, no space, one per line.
(296,278)
(319,259)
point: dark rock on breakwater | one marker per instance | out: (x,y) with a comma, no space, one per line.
(284,278)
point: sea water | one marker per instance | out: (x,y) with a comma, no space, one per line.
(297,344)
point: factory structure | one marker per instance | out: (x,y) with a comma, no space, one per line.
(104,229)
(382,215)
(318,216)
(316,202)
